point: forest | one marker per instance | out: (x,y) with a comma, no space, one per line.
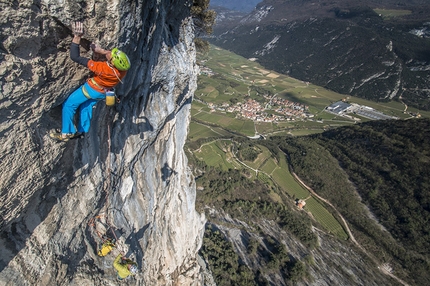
(375,174)
(227,269)
(383,165)
(249,201)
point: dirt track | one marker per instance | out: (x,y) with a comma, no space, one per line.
(348,230)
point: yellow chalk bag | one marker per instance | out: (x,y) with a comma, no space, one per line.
(110,98)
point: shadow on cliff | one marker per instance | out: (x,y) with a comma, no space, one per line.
(135,247)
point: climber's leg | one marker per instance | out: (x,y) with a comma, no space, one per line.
(69,109)
(86,108)
(85,115)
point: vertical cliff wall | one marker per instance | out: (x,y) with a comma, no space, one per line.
(129,170)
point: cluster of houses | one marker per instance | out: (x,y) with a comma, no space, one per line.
(254,110)
(283,109)
(290,109)
(206,71)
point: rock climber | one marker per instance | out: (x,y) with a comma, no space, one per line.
(107,75)
(124,266)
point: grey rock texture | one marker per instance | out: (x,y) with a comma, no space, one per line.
(130,169)
(333,262)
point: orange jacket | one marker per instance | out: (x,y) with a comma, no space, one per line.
(106,76)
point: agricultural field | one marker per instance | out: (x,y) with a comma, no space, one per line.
(261,159)
(286,181)
(269,166)
(227,79)
(325,218)
(215,154)
(198,131)
(218,154)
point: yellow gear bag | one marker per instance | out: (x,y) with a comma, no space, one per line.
(106,248)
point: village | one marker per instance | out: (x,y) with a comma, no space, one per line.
(274,109)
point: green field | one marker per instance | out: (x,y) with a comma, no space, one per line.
(261,159)
(263,126)
(226,121)
(215,154)
(218,154)
(236,79)
(269,166)
(325,218)
(286,181)
(198,131)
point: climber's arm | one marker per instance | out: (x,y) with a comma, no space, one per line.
(101,51)
(116,262)
(75,55)
(76,39)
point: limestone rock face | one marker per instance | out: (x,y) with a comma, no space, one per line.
(128,178)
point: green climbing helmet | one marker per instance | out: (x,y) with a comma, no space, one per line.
(120,60)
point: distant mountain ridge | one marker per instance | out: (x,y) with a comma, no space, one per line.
(236,5)
(342,45)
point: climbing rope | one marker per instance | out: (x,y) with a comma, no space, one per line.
(108,163)
(106,188)
(107,243)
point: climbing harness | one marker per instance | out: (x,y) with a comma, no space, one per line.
(93,81)
(110,93)
(85,92)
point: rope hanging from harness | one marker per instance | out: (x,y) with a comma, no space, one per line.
(108,171)
(107,243)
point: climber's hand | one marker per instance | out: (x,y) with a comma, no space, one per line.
(96,48)
(78,28)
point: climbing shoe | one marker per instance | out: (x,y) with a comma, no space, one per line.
(77,135)
(59,137)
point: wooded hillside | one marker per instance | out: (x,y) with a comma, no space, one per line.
(388,163)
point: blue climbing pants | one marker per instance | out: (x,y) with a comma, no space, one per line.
(78,100)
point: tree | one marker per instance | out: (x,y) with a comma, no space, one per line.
(203,18)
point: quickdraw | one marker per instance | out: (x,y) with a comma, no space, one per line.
(108,243)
